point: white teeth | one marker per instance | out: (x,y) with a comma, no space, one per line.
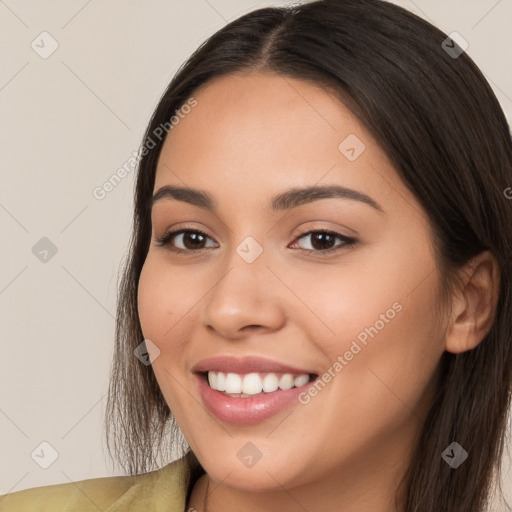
(220,384)
(270,382)
(254,383)
(233,383)
(301,380)
(286,381)
(212,379)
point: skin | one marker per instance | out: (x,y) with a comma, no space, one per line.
(249,138)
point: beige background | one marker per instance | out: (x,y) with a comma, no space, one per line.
(69,122)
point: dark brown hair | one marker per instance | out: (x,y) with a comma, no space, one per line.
(443,129)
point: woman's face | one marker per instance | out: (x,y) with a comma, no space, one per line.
(261,282)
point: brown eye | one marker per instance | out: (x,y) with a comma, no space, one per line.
(323,241)
(192,240)
(185,239)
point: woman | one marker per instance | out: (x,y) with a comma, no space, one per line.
(318,293)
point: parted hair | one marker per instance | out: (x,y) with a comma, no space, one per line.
(442,127)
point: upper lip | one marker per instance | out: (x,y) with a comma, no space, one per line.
(243,365)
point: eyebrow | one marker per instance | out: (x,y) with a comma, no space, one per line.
(289,199)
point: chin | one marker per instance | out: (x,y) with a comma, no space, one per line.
(262,476)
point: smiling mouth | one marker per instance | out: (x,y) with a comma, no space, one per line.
(255,384)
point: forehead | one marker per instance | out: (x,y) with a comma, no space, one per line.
(263,105)
(262,116)
(255,134)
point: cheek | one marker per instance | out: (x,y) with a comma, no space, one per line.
(165,298)
(377,313)
(151,302)
(380,292)
(390,380)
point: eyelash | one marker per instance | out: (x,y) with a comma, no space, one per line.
(165,241)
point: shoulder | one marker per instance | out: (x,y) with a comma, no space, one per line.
(163,489)
(94,494)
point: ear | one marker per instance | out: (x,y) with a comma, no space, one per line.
(474,303)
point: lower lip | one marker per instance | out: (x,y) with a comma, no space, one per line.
(244,411)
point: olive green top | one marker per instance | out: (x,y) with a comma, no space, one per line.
(163,490)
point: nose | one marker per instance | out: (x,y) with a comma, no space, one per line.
(246,298)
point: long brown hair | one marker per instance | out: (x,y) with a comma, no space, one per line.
(442,127)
